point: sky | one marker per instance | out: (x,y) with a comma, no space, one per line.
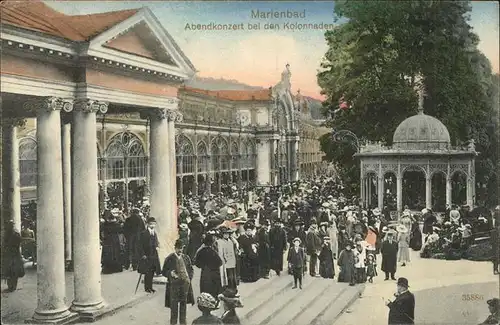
(257,57)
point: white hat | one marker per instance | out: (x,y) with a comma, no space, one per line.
(376,212)
(325,205)
(424,211)
(402,229)
(345,209)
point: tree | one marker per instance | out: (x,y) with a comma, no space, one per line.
(373,57)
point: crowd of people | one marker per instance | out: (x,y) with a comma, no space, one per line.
(305,227)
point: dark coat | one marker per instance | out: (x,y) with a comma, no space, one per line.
(415,237)
(132,229)
(402,309)
(249,259)
(297,234)
(296,259)
(264,249)
(112,247)
(326,269)
(12,261)
(209,261)
(147,247)
(174,285)
(195,238)
(230,318)
(389,256)
(346,263)
(207,320)
(313,242)
(278,240)
(429,221)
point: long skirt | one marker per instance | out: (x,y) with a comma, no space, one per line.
(249,270)
(404,254)
(360,275)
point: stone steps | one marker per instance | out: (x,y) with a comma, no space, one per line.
(333,291)
(338,305)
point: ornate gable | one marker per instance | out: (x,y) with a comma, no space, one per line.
(141,41)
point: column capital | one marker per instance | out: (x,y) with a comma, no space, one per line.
(87,105)
(14,121)
(49,104)
(172,115)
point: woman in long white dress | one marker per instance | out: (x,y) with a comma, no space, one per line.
(403,245)
(333,237)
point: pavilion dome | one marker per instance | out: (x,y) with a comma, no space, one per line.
(421,132)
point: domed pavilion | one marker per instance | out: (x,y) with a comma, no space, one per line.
(421,169)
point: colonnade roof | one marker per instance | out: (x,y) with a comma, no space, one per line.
(232,95)
(36,15)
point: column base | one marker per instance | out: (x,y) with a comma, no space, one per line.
(60,316)
(87,308)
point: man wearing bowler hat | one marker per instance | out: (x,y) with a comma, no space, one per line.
(148,248)
(178,269)
(402,309)
(494,308)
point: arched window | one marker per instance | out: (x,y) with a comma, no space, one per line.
(235,155)
(214,152)
(185,155)
(125,149)
(202,155)
(244,155)
(224,155)
(28,162)
(252,154)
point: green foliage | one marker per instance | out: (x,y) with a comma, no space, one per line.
(381,43)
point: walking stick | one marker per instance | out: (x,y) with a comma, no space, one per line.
(138,281)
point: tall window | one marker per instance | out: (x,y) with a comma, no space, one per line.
(224,155)
(202,156)
(125,149)
(28,162)
(252,154)
(235,156)
(244,160)
(185,155)
(220,154)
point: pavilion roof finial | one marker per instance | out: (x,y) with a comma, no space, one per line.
(420,87)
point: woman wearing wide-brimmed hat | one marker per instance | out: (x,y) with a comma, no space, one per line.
(403,244)
(206,304)
(230,300)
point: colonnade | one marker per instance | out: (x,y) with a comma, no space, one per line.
(367,194)
(67,198)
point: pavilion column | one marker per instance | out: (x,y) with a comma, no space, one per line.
(175,117)
(369,190)
(380,192)
(10,171)
(87,258)
(162,176)
(428,192)
(470,195)
(399,191)
(363,199)
(448,189)
(66,170)
(51,284)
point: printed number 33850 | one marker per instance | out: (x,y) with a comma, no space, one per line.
(472,297)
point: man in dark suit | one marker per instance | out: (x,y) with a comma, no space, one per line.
(178,269)
(402,309)
(150,262)
(296,262)
(389,255)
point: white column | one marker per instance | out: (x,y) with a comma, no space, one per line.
(448,190)
(399,191)
(448,185)
(10,165)
(264,159)
(470,201)
(363,199)
(51,284)
(380,194)
(161,177)
(66,167)
(87,257)
(176,117)
(428,192)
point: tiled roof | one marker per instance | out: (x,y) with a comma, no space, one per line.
(36,15)
(234,95)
